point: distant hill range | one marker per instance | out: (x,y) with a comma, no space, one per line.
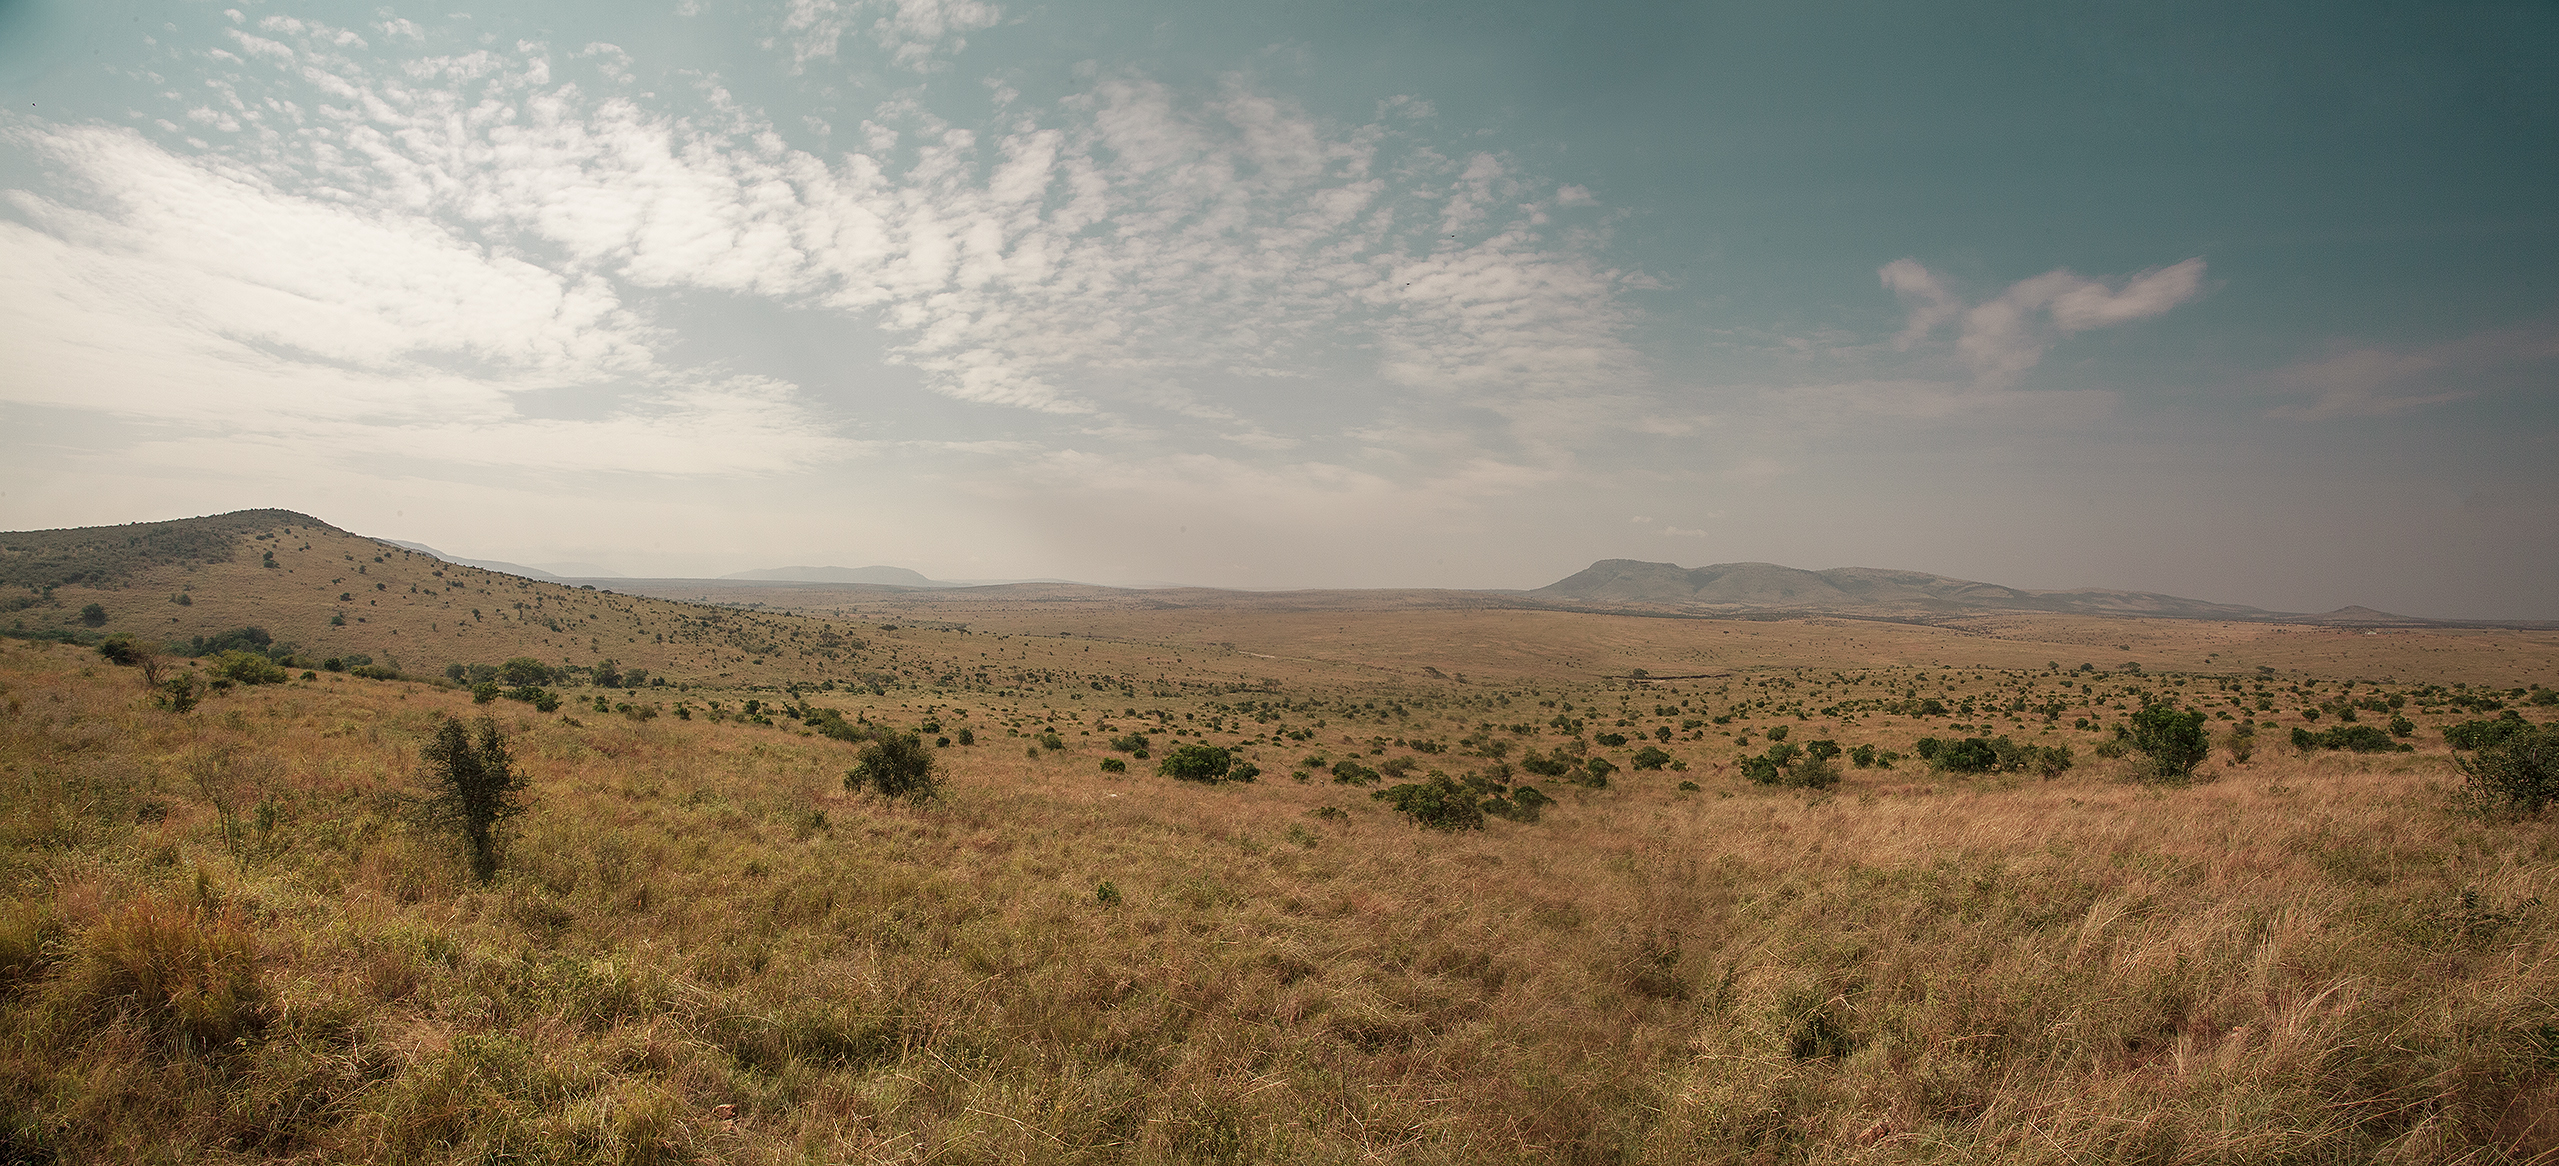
(878,576)
(1766,588)
(111,556)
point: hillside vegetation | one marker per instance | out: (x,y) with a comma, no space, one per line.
(1414,886)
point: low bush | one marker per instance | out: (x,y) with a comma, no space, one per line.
(2482,734)
(2358,738)
(897,765)
(1208,764)
(2520,773)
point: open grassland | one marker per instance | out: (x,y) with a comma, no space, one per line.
(222,937)
(225,935)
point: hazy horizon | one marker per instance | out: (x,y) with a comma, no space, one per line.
(2245,306)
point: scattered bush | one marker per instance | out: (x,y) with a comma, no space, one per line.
(1789,766)
(524,672)
(94,615)
(1201,763)
(247,668)
(1437,803)
(2519,773)
(2482,734)
(1651,757)
(476,787)
(1114,765)
(898,765)
(2174,741)
(1992,755)
(2359,738)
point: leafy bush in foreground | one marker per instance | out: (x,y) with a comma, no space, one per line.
(2520,772)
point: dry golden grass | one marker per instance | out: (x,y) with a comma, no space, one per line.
(702,949)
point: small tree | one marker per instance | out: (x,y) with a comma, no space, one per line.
(476,787)
(2174,741)
(899,765)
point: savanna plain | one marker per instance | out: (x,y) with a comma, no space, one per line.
(1211,878)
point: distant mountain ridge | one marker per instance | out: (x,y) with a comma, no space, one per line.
(883,576)
(1768,587)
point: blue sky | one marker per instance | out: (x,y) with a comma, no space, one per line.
(2251,306)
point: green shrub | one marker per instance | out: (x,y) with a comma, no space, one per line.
(898,765)
(524,672)
(247,668)
(1651,757)
(1201,763)
(2174,741)
(476,786)
(2482,734)
(2359,738)
(1114,765)
(1789,766)
(1438,803)
(2520,772)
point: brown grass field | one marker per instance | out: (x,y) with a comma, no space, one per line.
(226,936)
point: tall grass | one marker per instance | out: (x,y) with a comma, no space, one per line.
(699,946)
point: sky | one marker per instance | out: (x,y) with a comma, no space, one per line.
(2246,303)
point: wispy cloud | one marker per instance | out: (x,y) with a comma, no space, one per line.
(2006,335)
(2370,381)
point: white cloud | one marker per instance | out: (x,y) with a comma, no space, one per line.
(2008,334)
(915,33)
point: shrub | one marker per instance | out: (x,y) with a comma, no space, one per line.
(1438,803)
(1651,757)
(2359,738)
(476,787)
(484,692)
(1789,766)
(1114,765)
(898,765)
(2520,772)
(94,615)
(1863,756)
(1349,772)
(1200,763)
(524,672)
(247,668)
(2174,741)
(2482,734)
(118,649)
(241,639)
